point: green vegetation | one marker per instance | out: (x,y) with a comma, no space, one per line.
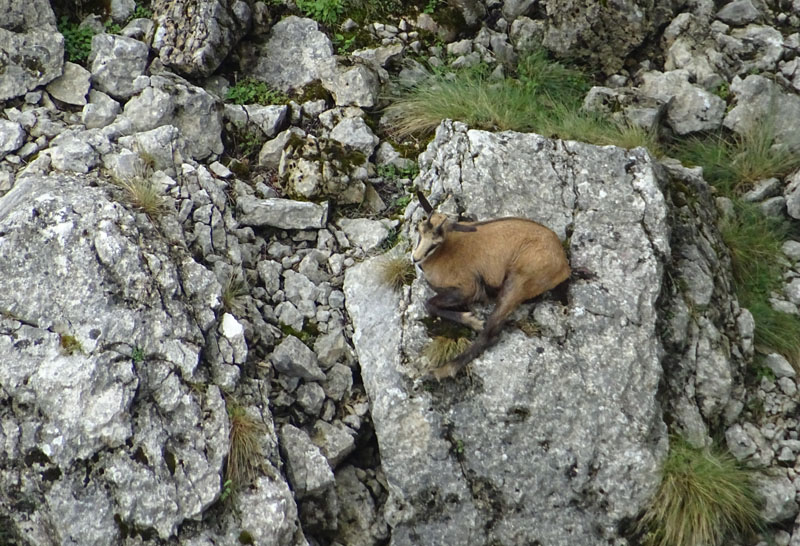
(111,27)
(733,163)
(250,91)
(544,97)
(142,12)
(77,40)
(755,243)
(327,12)
(69,344)
(704,497)
(137,354)
(397,272)
(244,448)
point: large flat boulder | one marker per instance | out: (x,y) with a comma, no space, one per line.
(553,437)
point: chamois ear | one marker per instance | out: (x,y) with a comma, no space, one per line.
(461,227)
(424,202)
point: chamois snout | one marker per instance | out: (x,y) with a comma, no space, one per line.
(430,235)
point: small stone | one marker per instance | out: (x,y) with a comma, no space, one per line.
(310,397)
(779,365)
(335,441)
(293,357)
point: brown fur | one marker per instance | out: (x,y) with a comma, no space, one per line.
(515,258)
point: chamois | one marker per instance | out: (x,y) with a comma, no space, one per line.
(514,258)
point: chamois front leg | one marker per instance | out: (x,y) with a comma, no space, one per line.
(511,295)
(445,305)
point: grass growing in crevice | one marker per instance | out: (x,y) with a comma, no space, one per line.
(144,196)
(544,97)
(397,272)
(755,242)
(244,448)
(442,349)
(233,289)
(732,163)
(704,497)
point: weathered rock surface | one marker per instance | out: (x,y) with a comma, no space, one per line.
(294,54)
(31,49)
(514,454)
(604,33)
(195,37)
(99,399)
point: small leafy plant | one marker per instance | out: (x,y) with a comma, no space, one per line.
(250,91)
(705,496)
(142,12)
(77,40)
(324,11)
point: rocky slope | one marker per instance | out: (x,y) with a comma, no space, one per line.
(136,341)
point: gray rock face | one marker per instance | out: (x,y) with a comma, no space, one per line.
(282,213)
(738,12)
(556,437)
(116,63)
(757,98)
(604,33)
(72,86)
(171,100)
(194,37)
(12,136)
(692,108)
(31,49)
(708,338)
(295,54)
(101,400)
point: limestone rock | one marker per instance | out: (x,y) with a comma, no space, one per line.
(195,37)
(454,475)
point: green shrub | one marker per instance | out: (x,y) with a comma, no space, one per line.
(144,196)
(142,12)
(249,91)
(77,40)
(704,497)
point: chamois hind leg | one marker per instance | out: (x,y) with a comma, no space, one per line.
(511,295)
(444,305)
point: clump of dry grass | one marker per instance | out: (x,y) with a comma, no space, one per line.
(244,448)
(144,196)
(397,272)
(442,349)
(705,496)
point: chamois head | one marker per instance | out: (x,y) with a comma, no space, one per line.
(433,230)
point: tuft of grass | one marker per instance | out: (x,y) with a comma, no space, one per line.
(733,163)
(397,272)
(705,495)
(442,349)
(545,97)
(251,91)
(755,242)
(244,448)
(233,289)
(144,196)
